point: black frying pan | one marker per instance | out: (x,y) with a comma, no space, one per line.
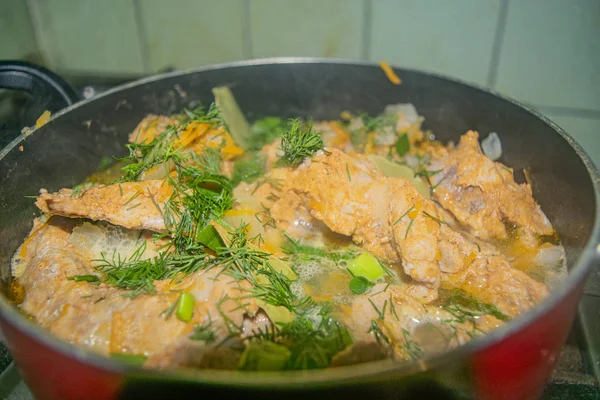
(513,362)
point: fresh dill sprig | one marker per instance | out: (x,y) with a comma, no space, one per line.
(311,345)
(408,228)
(277,184)
(266,130)
(427,173)
(248,169)
(268,284)
(199,197)
(460,302)
(421,168)
(403,215)
(137,274)
(201,115)
(466,310)
(204,333)
(264,217)
(299,143)
(293,247)
(164,147)
(380,337)
(378,123)
(209,161)
(414,351)
(434,218)
(144,156)
(371,125)
(77,191)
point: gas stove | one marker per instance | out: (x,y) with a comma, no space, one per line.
(577,372)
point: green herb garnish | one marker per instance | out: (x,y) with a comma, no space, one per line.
(299,143)
(185,307)
(94,279)
(248,169)
(265,131)
(403,215)
(412,349)
(264,355)
(402,145)
(134,359)
(105,163)
(304,252)
(360,285)
(460,303)
(204,333)
(210,238)
(311,346)
(367,266)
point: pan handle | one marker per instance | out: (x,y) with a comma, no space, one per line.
(45,86)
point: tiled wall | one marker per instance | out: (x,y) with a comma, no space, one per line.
(543,52)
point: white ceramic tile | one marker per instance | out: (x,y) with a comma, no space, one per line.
(188,33)
(312,28)
(551,53)
(17,40)
(450,37)
(586,131)
(89,35)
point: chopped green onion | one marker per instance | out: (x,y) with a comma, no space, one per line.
(360,285)
(93,279)
(135,359)
(185,307)
(402,145)
(262,355)
(367,266)
(210,238)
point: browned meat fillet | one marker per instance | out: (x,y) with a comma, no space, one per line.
(102,318)
(388,217)
(132,205)
(483,194)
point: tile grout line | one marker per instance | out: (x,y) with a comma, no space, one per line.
(44,44)
(367,26)
(497,44)
(247,31)
(142,36)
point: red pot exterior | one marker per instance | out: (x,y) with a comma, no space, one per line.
(518,367)
(51,374)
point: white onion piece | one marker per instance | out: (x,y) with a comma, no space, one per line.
(407,111)
(550,258)
(552,261)
(492,147)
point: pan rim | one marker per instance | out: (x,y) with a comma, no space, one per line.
(341,375)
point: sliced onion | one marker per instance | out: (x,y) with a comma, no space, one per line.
(408,110)
(492,147)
